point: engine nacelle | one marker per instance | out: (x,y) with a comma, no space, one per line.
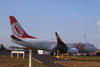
(72,50)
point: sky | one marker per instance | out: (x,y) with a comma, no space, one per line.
(42,18)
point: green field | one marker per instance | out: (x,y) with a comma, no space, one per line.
(80,64)
(82,61)
(86,58)
(6,61)
(76,61)
(37,64)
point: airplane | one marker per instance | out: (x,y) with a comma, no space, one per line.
(3,48)
(19,36)
(83,47)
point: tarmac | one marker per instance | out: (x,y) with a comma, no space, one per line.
(48,60)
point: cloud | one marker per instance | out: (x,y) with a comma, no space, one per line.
(75,20)
(98,23)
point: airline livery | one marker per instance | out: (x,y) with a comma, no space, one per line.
(83,47)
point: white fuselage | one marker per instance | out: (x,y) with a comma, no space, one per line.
(49,45)
(42,44)
(37,44)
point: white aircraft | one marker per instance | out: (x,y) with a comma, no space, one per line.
(85,48)
(3,48)
(19,36)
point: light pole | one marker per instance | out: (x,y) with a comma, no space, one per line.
(84,36)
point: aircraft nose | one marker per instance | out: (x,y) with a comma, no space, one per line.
(76,50)
(95,48)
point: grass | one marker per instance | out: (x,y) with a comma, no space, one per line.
(80,64)
(37,64)
(79,61)
(6,61)
(82,61)
(86,58)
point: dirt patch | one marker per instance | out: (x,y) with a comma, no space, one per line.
(6,61)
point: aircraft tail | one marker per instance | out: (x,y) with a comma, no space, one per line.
(17,30)
(2,47)
(60,44)
(59,41)
(57,36)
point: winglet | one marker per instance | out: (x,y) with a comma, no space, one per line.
(57,36)
(60,44)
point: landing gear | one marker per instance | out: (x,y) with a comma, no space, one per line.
(53,53)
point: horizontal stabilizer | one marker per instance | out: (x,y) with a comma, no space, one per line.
(15,38)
